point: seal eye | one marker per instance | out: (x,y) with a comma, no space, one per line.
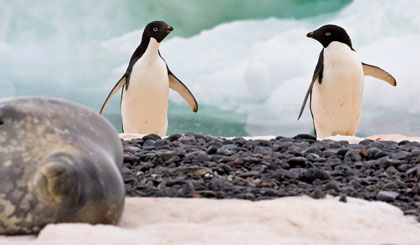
(155,29)
(1,122)
(328,33)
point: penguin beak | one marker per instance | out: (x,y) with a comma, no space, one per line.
(310,34)
(169,29)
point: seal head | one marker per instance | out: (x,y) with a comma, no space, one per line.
(59,162)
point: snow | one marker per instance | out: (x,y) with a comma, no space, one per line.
(289,220)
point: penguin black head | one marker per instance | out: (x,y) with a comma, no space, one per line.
(158,30)
(330,33)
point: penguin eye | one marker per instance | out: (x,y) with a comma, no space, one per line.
(155,29)
(328,33)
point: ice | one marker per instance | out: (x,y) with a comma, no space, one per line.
(264,67)
(260,68)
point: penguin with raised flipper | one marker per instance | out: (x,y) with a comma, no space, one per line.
(336,90)
(145,86)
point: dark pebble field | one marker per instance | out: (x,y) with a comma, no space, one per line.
(197,166)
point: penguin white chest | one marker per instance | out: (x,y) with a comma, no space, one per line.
(144,104)
(336,102)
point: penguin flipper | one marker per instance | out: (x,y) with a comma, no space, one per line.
(117,87)
(178,86)
(319,69)
(376,72)
(302,108)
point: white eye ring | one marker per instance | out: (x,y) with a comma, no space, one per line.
(328,33)
(155,29)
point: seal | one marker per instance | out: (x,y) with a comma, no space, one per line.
(59,162)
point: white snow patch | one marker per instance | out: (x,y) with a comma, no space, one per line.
(290,220)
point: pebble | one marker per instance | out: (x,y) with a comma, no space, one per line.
(343,198)
(297,162)
(197,166)
(318,194)
(386,196)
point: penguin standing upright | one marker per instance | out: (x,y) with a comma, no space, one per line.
(336,90)
(145,86)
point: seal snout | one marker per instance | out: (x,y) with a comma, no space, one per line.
(169,29)
(310,34)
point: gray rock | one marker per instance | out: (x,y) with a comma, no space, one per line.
(188,139)
(263,150)
(297,162)
(352,155)
(166,154)
(256,170)
(318,194)
(285,174)
(387,196)
(227,150)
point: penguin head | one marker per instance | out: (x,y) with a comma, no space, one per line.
(330,33)
(158,30)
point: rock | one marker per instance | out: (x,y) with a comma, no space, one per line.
(193,165)
(358,164)
(198,155)
(212,149)
(247,196)
(364,153)
(414,171)
(131,149)
(285,174)
(226,168)
(355,183)
(177,181)
(263,150)
(401,155)
(205,193)
(151,137)
(144,166)
(386,196)
(318,194)
(391,186)
(249,174)
(201,172)
(380,154)
(343,198)
(172,160)
(297,162)
(312,174)
(166,154)
(174,137)
(312,149)
(342,152)
(415,152)
(227,150)
(282,146)
(188,139)
(332,185)
(304,137)
(131,159)
(352,155)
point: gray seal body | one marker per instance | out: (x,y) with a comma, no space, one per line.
(59,162)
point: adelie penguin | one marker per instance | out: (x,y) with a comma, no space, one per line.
(336,90)
(145,86)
